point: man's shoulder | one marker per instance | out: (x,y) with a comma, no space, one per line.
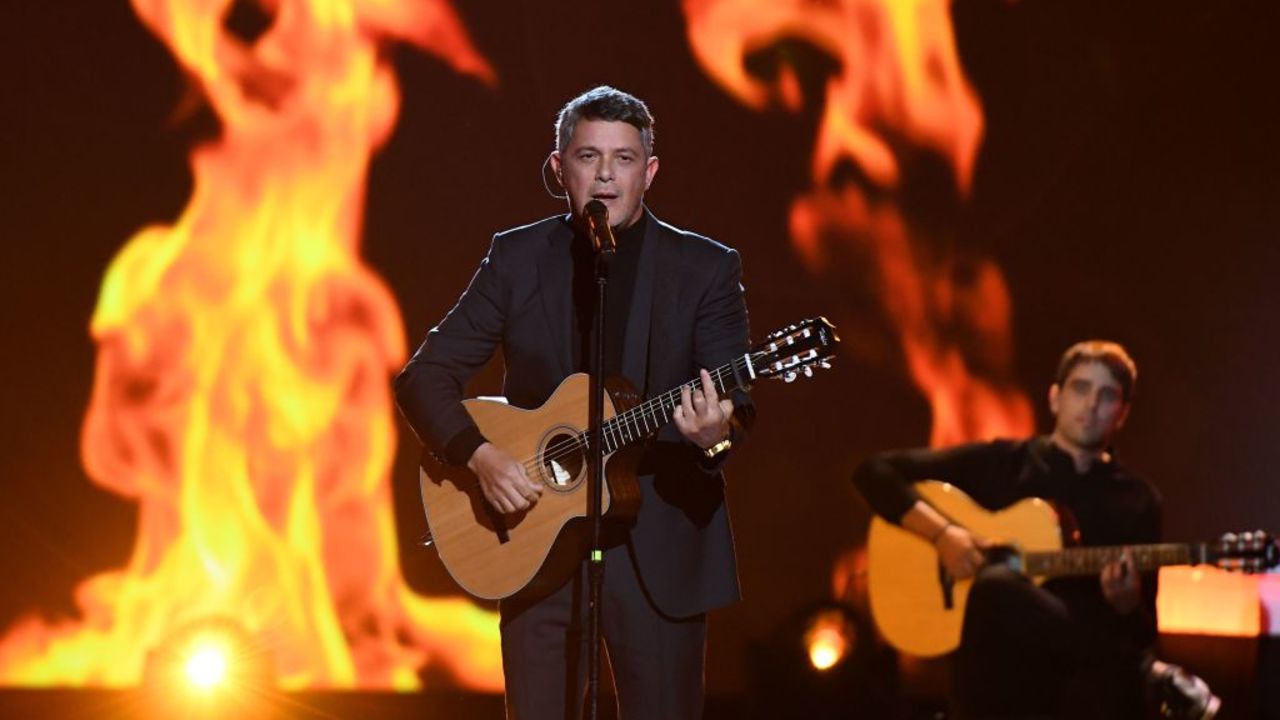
(691,243)
(1136,483)
(519,246)
(996,447)
(534,230)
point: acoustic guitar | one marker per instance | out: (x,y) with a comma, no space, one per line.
(919,609)
(492,555)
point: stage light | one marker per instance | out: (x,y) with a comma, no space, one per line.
(822,663)
(208,655)
(212,669)
(207,667)
(828,638)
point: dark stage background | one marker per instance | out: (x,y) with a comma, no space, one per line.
(1126,185)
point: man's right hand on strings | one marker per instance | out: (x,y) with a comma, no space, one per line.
(503,481)
(960,552)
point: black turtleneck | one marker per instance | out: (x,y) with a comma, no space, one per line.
(622,283)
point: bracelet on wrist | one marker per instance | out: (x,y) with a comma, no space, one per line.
(943,531)
(718,448)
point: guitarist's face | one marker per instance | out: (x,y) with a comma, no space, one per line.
(1088,407)
(606,161)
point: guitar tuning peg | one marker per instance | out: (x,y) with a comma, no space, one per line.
(789,376)
(808,371)
(824,364)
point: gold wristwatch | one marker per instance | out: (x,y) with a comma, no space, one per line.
(718,448)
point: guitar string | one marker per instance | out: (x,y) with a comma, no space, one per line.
(579,441)
(629,416)
(1091,557)
(615,428)
(745,362)
(619,422)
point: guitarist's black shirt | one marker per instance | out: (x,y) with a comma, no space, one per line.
(1108,504)
(622,283)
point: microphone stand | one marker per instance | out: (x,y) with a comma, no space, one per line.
(595,448)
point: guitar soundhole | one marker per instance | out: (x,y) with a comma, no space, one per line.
(562,462)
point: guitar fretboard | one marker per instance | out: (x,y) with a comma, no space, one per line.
(651,415)
(1091,560)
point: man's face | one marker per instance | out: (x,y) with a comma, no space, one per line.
(605,160)
(1089,406)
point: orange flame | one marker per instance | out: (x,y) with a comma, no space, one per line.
(898,89)
(241,393)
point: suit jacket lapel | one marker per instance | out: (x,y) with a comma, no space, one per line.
(645,297)
(555,279)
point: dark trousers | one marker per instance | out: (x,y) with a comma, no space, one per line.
(657,661)
(1021,655)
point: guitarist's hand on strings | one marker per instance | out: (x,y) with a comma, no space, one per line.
(960,552)
(1120,584)
(702,417)
(503,480)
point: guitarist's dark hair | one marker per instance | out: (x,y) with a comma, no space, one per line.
(1111,354)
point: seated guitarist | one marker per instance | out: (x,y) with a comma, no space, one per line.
(1075,647)
(674,308)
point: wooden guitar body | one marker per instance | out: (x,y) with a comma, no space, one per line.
(492,555)
(916,608)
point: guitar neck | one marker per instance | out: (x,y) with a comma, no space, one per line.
(1091,560)
(645,419)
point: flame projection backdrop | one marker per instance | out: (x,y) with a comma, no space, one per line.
(240,395)
(967,188)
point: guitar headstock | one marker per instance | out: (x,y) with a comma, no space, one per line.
(1248,552)
(795,350)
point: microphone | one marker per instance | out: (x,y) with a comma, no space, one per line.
(598,227)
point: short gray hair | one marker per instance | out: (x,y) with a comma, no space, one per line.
(605,103)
